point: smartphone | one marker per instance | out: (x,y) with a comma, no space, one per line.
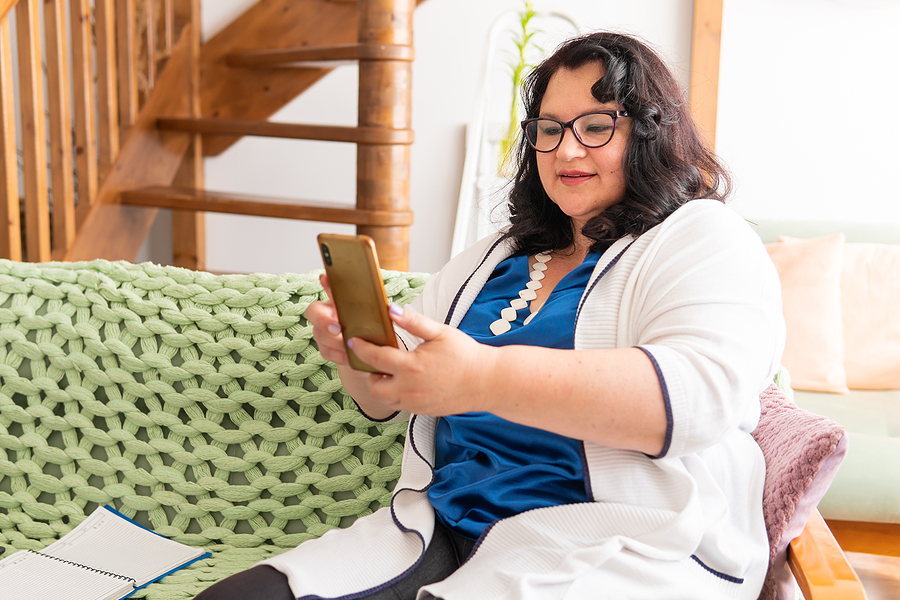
(358,292)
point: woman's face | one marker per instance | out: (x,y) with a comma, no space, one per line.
(583,182)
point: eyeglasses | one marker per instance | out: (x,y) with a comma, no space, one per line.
(592,130)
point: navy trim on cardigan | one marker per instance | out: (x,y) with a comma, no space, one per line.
(585,468)
(719,574)
(596,281)
(670,420)
(374,420)
(459,292)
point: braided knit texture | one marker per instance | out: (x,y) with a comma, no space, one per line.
(196,404)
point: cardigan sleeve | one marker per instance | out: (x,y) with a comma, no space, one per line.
(707,311)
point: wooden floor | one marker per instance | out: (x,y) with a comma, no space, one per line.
(880,575)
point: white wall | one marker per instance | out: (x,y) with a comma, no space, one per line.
(808,117)
(807,120)
(449,42)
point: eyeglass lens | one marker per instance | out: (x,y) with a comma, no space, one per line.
(592,130)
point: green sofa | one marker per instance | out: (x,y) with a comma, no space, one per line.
(866,489)
(196,404)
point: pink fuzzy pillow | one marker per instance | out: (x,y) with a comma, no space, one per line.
(803,452)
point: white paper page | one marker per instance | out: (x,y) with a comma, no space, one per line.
(29,576)
(108,542)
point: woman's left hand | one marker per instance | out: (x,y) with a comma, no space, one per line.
(442,376)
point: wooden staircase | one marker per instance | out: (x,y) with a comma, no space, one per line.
(197,101)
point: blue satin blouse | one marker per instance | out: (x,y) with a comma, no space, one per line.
(487,468)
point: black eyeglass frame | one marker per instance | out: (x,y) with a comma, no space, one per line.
(615,114)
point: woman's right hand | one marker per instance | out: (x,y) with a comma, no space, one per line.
(323,316)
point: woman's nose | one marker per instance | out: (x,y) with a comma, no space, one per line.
(570,147)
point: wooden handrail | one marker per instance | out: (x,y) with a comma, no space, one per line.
(819,565)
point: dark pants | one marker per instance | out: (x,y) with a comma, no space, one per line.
(444,555)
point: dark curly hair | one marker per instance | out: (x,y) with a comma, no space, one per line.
(666,163)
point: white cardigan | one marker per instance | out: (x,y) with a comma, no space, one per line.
(700,296)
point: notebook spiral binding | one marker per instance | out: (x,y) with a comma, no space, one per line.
(81,566)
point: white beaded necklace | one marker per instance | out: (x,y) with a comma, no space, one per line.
(508,315)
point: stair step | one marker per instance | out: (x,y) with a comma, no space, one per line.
(320,57)
(261,206)
(330,133)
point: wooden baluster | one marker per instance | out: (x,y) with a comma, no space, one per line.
(168,25)
(150,20)
(385,98)
(107,88)
(34,136)
(59,97)
(126,44)
(189,227)
(10,231)
(85,123)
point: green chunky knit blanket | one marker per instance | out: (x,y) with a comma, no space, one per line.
(196,404)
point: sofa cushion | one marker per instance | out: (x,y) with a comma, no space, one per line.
(867,485)
(870,289)
(872,412)
(810,273)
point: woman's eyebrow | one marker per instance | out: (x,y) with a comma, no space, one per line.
(552,115)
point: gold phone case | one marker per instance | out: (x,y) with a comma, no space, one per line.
(358,291)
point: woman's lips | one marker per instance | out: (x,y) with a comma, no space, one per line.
(574,177)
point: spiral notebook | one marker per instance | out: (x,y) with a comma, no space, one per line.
(107,557)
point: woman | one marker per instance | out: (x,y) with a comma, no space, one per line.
(583,386)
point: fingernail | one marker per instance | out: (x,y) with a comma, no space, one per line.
(396,309)
(333,329)
(350,343)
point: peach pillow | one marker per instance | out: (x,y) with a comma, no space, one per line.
(870,292)
(810,272)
